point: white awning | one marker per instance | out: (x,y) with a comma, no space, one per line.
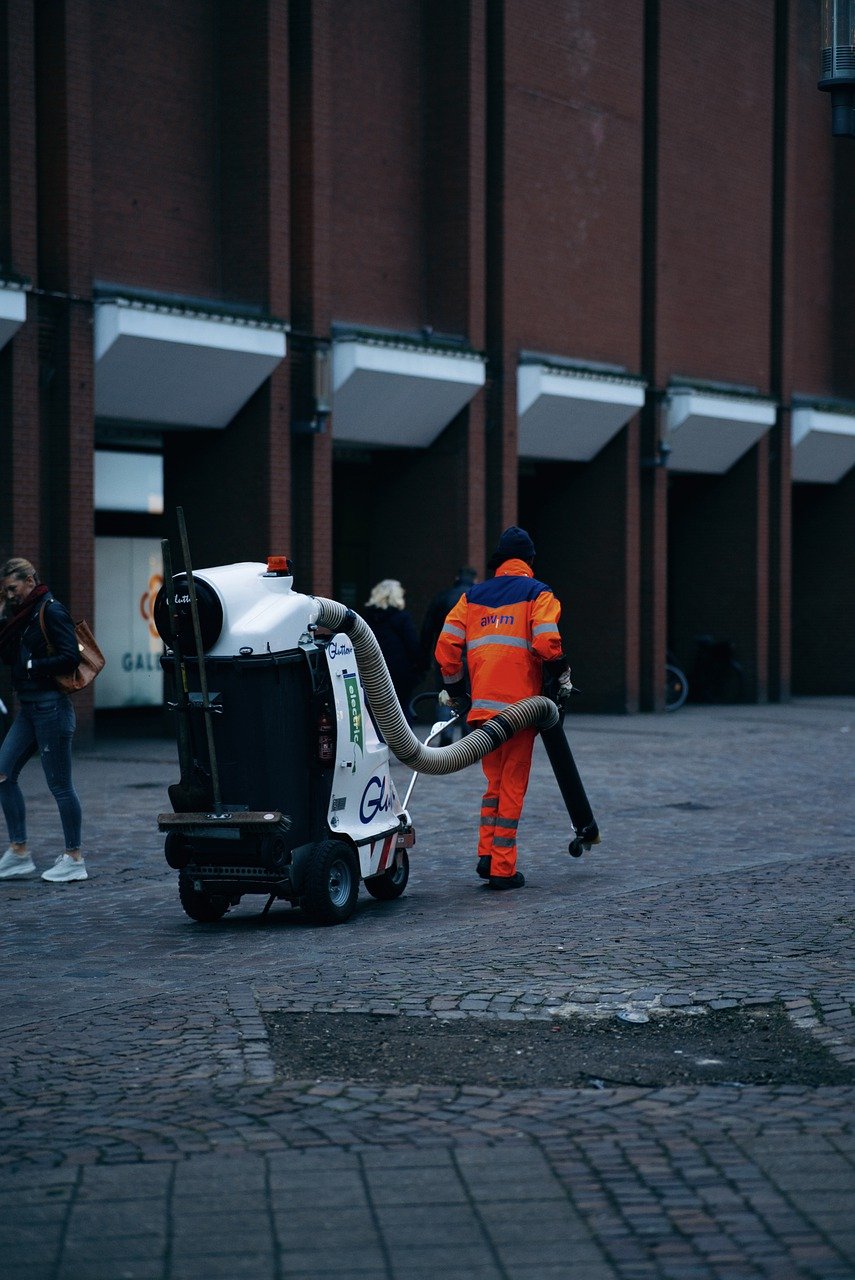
(164,365)
(388,393)
(709,432)
(570,414)
(13,312)
(823,445)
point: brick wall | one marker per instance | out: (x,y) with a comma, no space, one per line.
(65,230)
(572,184)
(513,172)
(244,469)
(715,169)
(820,340)
(810,195)
(155,143)
(376,164)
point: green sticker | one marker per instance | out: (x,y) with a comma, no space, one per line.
(354,706)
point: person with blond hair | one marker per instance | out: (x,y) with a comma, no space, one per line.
(38,642)
(387,615)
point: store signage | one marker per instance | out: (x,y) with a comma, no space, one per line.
(128,576)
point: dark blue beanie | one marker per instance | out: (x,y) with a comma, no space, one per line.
(515,544)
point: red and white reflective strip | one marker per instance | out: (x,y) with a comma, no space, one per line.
(386,855)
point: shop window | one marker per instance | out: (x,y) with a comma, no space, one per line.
(126,481)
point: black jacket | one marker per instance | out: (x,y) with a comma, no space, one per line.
(31,643)
(437,612)
(399,644)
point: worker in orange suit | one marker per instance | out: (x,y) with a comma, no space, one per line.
(506,631)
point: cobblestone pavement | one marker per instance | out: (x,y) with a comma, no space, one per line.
(145,1132)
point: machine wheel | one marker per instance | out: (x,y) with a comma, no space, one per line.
(176,850)
(207,908)
(274,853)
(390,884)
(332,883)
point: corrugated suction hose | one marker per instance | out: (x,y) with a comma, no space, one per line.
(539,713)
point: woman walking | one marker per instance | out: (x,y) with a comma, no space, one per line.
(37,641)
(387,615)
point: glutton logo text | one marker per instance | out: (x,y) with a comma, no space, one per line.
(375,800)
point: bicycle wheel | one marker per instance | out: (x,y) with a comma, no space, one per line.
(676,688)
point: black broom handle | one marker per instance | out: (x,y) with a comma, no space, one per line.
(200,654)
(185,760)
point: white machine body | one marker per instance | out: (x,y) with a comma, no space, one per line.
(364,804)
(263,614)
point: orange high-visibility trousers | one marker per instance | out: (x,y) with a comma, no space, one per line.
(506,770)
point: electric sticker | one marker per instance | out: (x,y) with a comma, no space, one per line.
(354,706)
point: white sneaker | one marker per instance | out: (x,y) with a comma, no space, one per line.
(16,864)
(66,868)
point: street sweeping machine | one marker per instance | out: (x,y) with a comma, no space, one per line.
(286,716)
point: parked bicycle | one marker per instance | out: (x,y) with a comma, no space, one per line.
(676,686)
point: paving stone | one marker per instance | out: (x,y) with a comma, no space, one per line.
(138,1082)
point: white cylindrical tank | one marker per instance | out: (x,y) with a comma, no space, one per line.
(261,611)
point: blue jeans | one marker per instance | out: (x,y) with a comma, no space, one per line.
(45,724)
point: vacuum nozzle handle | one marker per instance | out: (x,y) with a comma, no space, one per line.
(434,733)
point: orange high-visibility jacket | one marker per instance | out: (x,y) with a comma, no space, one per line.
(506,628)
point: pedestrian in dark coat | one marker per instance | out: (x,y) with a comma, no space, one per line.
(386,614)
(438,610)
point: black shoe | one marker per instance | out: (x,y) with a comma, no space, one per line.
(516,881)
(483,868)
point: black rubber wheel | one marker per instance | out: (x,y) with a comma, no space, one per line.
(392,883)
(331,886)
(177,850)
(207,908)
(274,853)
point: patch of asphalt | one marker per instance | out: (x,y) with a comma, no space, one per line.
(758,1045)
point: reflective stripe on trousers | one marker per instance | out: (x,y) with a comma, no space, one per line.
(506,770)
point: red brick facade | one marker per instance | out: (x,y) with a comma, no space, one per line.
(651,188)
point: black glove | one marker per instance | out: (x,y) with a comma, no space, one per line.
(565,689)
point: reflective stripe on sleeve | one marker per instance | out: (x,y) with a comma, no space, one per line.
(451,629)
(545,626)
(515,642)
